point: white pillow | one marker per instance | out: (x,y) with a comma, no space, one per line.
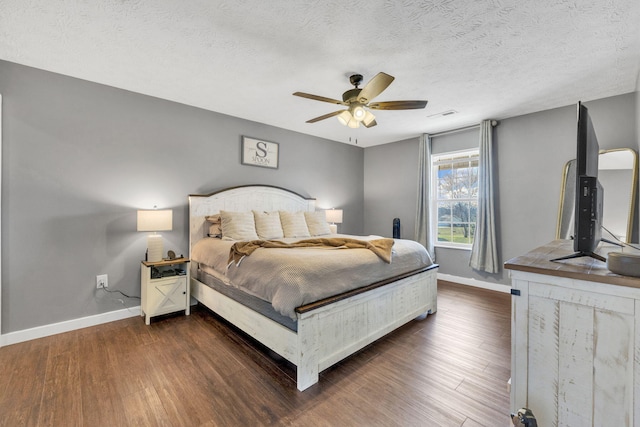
(293,224)
(317,223)
(238,225)
(268,225)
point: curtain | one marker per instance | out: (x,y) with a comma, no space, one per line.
(484,253)
(423,220)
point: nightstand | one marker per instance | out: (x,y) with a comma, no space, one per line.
(164,287)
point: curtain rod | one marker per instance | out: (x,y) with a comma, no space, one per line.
(494,123)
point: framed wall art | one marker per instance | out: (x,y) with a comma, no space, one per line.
(256,152)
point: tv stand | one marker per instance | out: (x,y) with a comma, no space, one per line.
(580,255)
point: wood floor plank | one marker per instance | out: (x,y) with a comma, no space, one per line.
(144,408)
(26,416)
(187,388)
(448,369)
(25,367)
(102,405)
(60,396)
(405,401)
(346,410)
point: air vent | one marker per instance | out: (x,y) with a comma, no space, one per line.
(444,114)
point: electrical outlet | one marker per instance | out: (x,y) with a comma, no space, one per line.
(102,281)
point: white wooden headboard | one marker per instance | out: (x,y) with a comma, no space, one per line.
(241,199)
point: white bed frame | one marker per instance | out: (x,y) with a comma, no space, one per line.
(329,330)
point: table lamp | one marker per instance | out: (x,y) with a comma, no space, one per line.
(334,216)
(154,221)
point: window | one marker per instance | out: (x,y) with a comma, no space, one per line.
(455,197)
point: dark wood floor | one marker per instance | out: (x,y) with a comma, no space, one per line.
(450,369)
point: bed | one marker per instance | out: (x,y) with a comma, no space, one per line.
(316,334)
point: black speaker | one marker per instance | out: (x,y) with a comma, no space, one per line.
(396,228)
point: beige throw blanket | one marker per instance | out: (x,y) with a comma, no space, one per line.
(380,247)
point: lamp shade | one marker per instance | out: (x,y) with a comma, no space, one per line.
(334,216)
(155,220)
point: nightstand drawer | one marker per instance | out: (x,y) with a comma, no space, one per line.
(167,295)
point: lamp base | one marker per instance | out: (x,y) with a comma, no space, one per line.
(154,248)
(333,228)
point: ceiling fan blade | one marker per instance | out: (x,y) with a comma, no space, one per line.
(398,105)
(326,116)
(319,98)
(374,87)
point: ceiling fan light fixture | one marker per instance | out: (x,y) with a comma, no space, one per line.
(358,112)
(353,123)
(368,118)
(344,117)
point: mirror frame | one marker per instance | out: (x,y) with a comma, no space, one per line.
(632,200)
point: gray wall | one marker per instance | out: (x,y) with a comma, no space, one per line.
(390,182)
(80,158)
(531,151)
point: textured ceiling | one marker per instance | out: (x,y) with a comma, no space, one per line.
(483,59)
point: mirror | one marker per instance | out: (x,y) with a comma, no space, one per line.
(618,174)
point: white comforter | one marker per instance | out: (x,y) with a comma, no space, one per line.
(289,278)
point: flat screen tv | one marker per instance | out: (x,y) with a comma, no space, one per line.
(589,193)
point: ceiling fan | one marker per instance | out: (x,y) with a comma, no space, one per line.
(359,102)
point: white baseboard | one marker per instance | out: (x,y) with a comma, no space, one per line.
(473,282)
(66,326)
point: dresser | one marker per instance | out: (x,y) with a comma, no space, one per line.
(575,340)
